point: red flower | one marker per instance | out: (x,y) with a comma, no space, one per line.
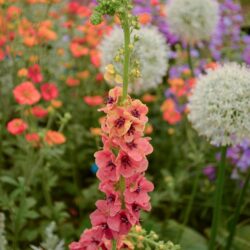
(34,73)
(49,91)
(39,111)
(17,126)
(93,100)
(26,93)
(33,138)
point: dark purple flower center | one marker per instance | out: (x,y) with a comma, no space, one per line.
(104,226)
(138,190)
(135,113)
(111,198)
(124,219)
(111,165)
(125,161)
(110,100)
(120,122)
(135,207)
(131,130)
(131,145)
(94,241)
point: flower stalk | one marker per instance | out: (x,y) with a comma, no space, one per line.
(218,199)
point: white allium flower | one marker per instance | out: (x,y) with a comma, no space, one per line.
(151,51)
(220,104)
(193,20)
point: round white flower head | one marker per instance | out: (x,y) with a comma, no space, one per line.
(151,51)
(193,20)
(220,104)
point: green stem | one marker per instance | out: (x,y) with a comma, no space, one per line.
(218,199)
(191,201)
(126,30)
(190,62)
(113,244)
(235,219)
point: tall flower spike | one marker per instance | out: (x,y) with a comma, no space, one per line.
(122,165)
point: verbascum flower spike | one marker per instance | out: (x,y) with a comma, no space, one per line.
(193,20)
(121,170)
(220,104)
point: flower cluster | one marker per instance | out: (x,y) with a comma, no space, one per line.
(121,166)
(193,20)
(27,95)
(153,62)
(228,33)
(180,85)
(239,155)
(219,104)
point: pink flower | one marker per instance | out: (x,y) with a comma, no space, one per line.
(136,149)
(139,110)
(137,190)
(91,239)
(39,111)
(16,126)
(34,73)
(100,218)
(26,93)
(49,91)
(121,223)
(105,160)
(93,100)
(118,122)
(128,167)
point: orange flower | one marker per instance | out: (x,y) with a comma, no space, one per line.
(71,81)
(54,138)
(83,74)
(95,131)
(17,126)
(145,18)
(78,50)
(93,100)
(56,103)
(149,98)
(22,72)
(26,93)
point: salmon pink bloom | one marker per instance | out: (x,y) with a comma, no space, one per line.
(136,149)
(16,126)
(107,170)
(138,110)
(121,223)
(91,240)
(54,138)
(93,100)
(49,91)
(100,218)
(112,205)
(39,111)
(137,190)
(119,122)
(121,166)
(128,167)
(26,93)
(34,73)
